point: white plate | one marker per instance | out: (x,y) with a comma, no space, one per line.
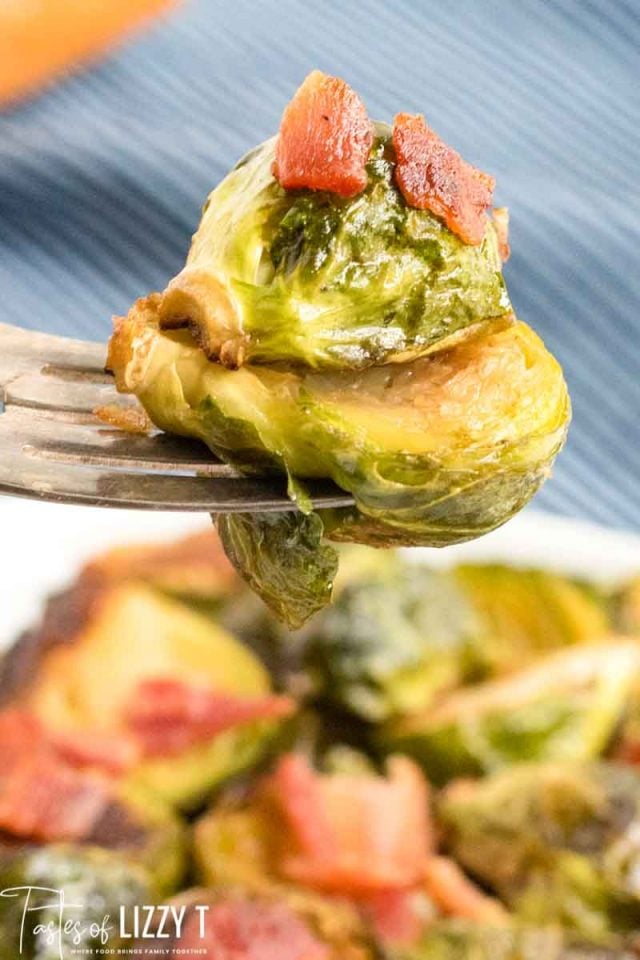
(43,545)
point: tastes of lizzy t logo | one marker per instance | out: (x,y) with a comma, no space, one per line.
(45,917)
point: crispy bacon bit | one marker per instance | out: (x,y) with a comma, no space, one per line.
(43,794)
(453,892)
(168,716)
(21,735)
(325,138)
(238,929)
(44,800)
(501,223)
(112,753)
(353,834)
(432,176)
(397,916)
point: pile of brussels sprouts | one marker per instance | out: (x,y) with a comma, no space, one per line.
(516,692)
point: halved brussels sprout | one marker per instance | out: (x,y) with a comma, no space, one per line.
(527,612)
(559,843)
(435,451)
(393,640)
(95,884)
(311,278)
(456,940)
(400,634)
(83,668)
(565,707)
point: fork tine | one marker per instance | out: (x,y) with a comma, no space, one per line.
(25,351)
(93,443)
(21,475)
(47,391)
(52,447)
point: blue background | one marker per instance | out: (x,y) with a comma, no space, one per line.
(102,178)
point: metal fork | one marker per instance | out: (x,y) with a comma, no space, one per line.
(53,447)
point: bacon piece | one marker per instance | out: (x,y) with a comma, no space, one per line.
(325,138)
(21,735)
(43,797)
(167,716)
(432,176)
(353,834)
(238,929)
(501,223)
(44,800)
(628,752)
(397,916)
(112,753)
(453,892)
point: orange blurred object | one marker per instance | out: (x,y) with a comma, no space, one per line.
(40,39)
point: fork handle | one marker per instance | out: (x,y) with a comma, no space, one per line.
(26,351)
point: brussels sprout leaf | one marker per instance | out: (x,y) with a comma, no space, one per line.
(283,559)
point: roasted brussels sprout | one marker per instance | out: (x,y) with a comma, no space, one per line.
(456,940)
(559,843)
(565,707)
(393,640)
(399,634)
(399,438)
(310,278)
(527,612)
(353,327)
(75,894)
(99,655)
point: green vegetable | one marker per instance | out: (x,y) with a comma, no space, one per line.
(283,560)
(434,452)
(559,843)
(131,634)
(528,612)
(353,340)
(393,640)
(310,278)
(565,708)
(95,884)
(460,940)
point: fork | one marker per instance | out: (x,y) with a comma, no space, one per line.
(54,447)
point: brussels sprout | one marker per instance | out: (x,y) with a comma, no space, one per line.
(559,843)
(233,845)
(81,669)
(307,277)
(565,707)
(528,612)
(95,884)
(400,438)
(455,940)
(393,639)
